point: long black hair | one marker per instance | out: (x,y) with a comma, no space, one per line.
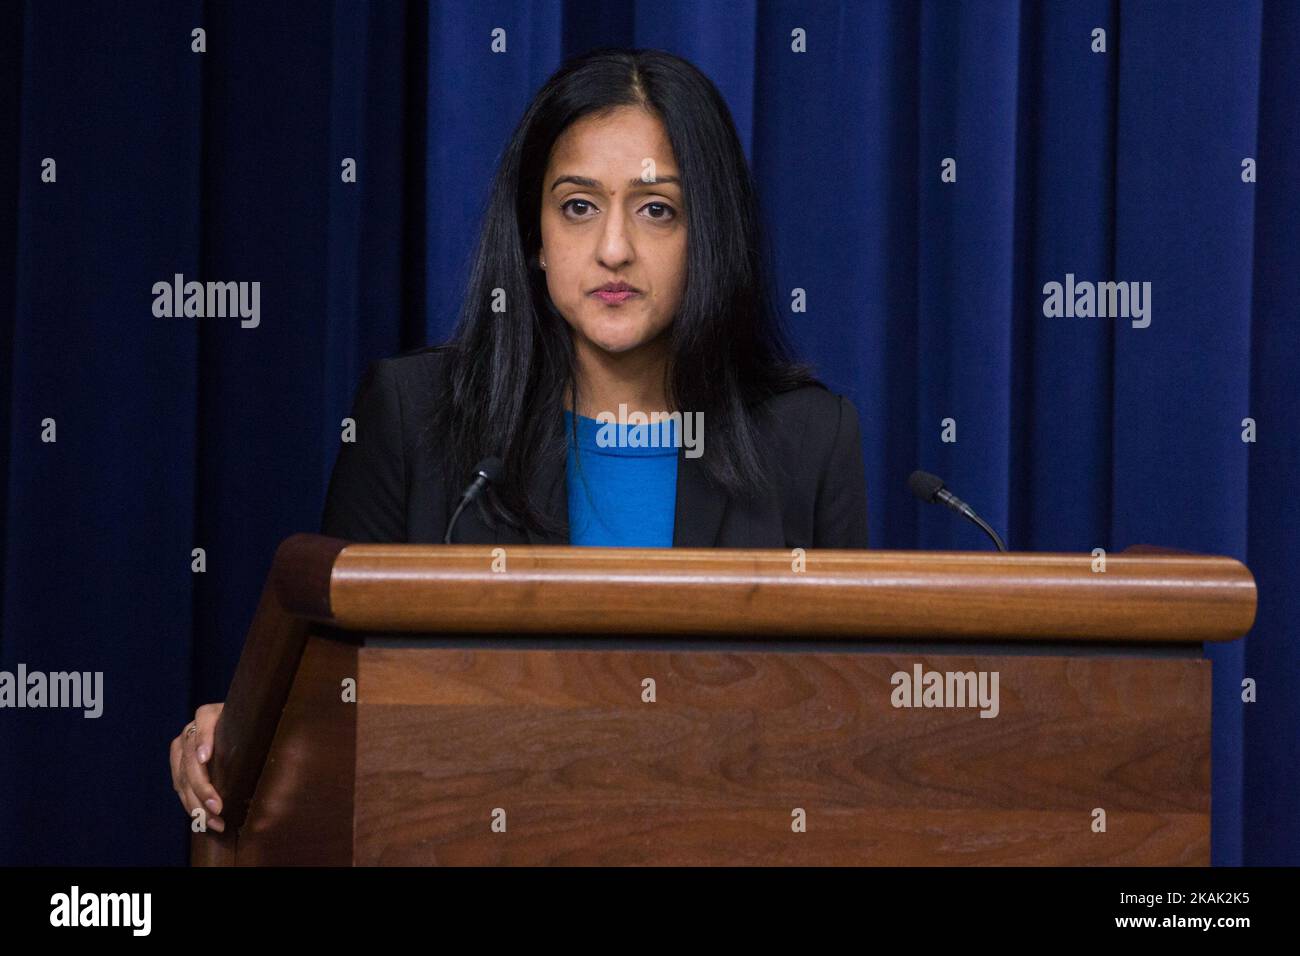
(510,371)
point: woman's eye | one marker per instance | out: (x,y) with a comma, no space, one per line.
(574,202)
(666,213)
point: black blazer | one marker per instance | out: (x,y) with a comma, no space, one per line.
(389,485)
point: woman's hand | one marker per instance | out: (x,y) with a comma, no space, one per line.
(190,753)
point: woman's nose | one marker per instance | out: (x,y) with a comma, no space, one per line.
(615,244)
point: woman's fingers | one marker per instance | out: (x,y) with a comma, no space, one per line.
(196,771)
(184,792)
(190,753)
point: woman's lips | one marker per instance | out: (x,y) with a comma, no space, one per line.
(614,298)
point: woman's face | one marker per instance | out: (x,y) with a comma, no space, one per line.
(608,216)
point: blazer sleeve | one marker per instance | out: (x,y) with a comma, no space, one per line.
(840,516)
(366,500)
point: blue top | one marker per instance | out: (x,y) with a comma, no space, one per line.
(622,490)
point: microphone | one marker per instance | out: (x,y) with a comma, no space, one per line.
(487,471)
(930,488)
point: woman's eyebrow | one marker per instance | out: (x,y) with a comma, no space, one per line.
(596,183)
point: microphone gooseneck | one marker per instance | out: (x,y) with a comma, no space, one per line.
(929,488)
(487,471)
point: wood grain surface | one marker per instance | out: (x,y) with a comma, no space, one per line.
(838,593)
(711,772)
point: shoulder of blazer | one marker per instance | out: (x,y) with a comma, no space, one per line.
(411,384)
(814,437)
(420,371)
(420,377)
(807,415)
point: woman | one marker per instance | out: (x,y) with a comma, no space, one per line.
(619,269)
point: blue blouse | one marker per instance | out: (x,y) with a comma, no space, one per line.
(622,489)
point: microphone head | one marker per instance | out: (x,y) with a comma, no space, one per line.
(490,468)
(924,485)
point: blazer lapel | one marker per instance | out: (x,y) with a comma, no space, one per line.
(550,486)
(699,505)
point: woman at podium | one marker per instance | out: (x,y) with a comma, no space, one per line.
(618,359)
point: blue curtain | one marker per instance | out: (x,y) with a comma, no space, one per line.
(924,303)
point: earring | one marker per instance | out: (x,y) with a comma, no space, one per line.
(543,261)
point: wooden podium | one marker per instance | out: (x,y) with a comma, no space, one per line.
(613,706)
